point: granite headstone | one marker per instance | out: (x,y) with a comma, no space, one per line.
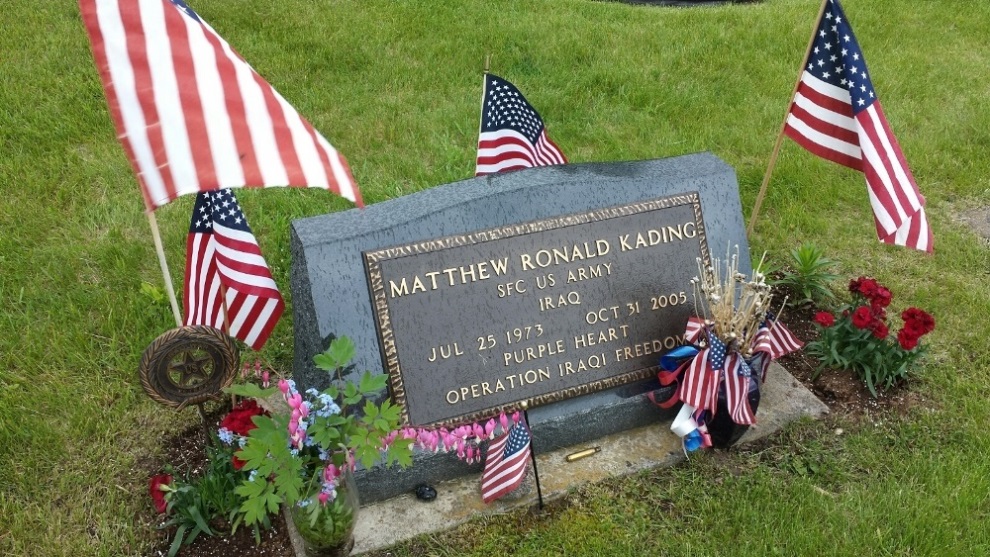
(332,294)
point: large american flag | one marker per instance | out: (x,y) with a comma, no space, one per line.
(836,115)
(192,115)
(228,284)
(505,463)
(512,133)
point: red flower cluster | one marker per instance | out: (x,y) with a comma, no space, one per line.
(878,295)
(156,491)
(238,421)
(917,323)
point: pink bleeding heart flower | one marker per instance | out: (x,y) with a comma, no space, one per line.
(283,386)
(504,420)
(295,400)
(331,473)
(265,377)
(304,410)
(324,497)
(297,439)
(479,431)
(490,428)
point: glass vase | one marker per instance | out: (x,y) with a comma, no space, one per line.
(328,530)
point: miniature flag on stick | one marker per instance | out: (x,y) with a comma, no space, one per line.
(505,463)
(836,115)
(192,115)
(512,133)
(228,284)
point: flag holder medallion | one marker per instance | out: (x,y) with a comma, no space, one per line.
(188,365)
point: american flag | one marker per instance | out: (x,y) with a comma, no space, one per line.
(228,284)
(699,388)
(836,115)
(512,133)
(192,115)
(737,381)
(505,463)
(775,339)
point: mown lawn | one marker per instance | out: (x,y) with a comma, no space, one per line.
(395,87)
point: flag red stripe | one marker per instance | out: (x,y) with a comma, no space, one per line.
(892,184)
(99,49)
(239,129)
(188,93)
(824,126)
(140,64)
(192,115)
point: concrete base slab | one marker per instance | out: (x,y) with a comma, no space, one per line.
(381,524)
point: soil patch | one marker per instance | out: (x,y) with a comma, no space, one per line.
(845,394)
(186,453)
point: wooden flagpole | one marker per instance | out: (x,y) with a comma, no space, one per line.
(157,237)
(783,125)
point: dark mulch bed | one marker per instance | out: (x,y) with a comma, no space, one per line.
(847,398)
(845,395)
(186,451)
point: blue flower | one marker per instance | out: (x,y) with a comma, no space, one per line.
(226,436)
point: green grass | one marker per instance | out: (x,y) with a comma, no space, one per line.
(395,87)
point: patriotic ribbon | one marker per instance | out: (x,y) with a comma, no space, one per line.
(700,373)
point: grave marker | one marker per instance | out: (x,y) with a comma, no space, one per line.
(331,293)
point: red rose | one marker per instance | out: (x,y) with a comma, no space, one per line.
(825,319)
(879,329)
(862,317)
(156,491)
(906,339)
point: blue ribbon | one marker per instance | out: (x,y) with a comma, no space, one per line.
(671,360)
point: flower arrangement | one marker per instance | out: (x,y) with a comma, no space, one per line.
(302,458)
(731,342)
(859,338)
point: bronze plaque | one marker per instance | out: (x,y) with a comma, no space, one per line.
(537,312)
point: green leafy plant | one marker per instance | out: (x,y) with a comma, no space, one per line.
(299,457)
(193,504)
(808,274)
(859,339)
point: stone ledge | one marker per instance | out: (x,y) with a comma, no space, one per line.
(382,524)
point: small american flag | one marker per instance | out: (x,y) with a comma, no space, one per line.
(512,133)
(699,388)
(505,463)
(737,382)
(192,115)
(228,284)
(837,116)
